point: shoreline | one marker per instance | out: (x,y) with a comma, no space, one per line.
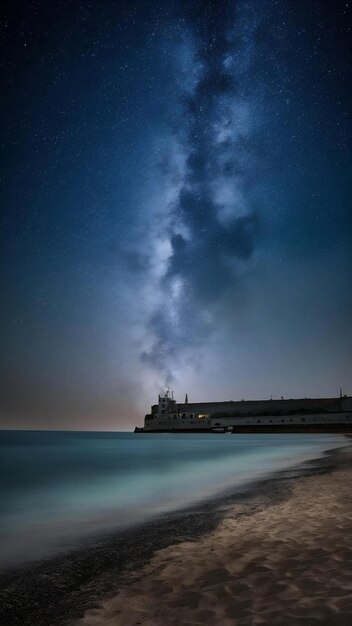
(287,562)
(64,587)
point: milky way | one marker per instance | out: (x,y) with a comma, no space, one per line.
(176,210)
(212,224)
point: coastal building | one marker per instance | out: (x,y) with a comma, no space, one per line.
(302,414)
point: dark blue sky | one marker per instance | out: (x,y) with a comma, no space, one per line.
(176,205)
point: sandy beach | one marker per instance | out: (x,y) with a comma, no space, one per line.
(284,563)
(277,551)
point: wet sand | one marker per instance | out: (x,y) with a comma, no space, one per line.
(276,552)
(285,563)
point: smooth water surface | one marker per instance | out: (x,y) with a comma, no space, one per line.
(60,487)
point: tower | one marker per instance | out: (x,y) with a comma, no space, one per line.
(186,399)
(166,403)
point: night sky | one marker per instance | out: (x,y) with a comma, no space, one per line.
(176,205)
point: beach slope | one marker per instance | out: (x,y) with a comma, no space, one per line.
(288,562)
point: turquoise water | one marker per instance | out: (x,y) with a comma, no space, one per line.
(59,488)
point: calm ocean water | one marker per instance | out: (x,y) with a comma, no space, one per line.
(59,488)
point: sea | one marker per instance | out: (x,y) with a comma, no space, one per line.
(59,490)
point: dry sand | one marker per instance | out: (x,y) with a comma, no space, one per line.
(287,564)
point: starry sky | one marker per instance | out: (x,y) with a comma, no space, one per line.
(176,205)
